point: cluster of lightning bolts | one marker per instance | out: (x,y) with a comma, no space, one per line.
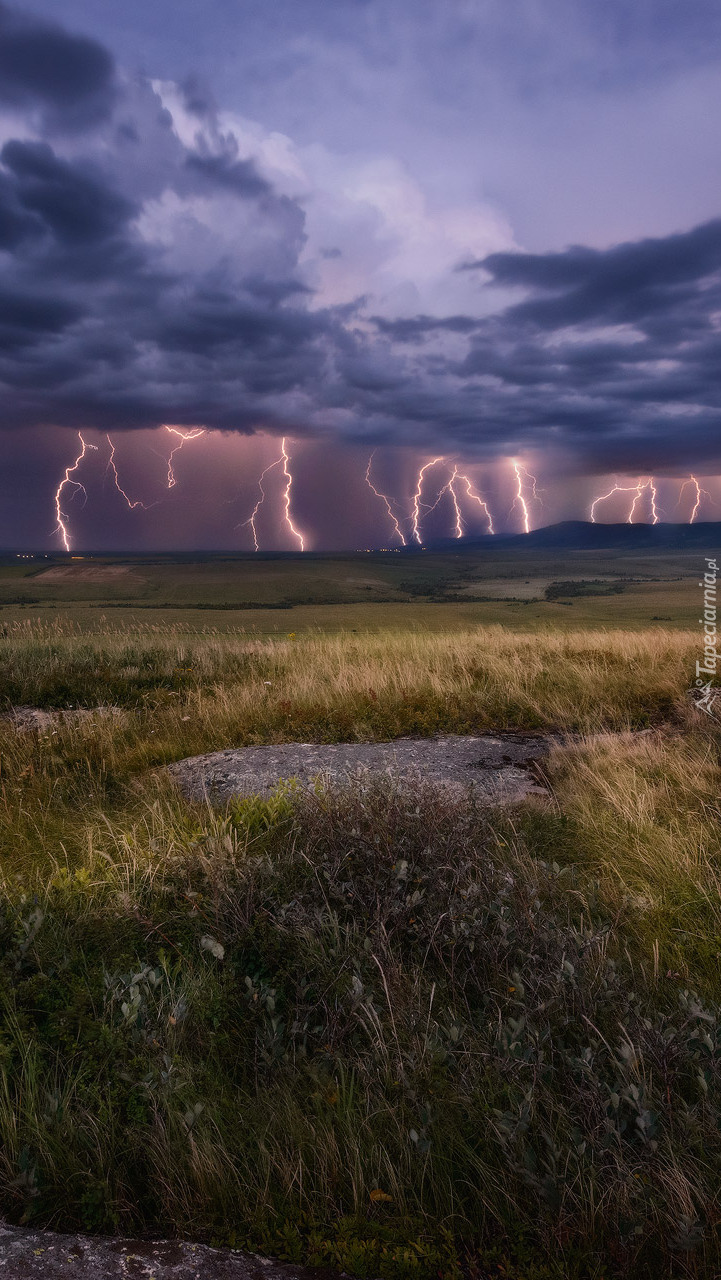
(526,493)
(70,486)
(422,509)
(74,486)
(404,528)
(647,485)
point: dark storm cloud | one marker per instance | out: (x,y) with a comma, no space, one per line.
(614,356)
(614,353)
(217,319)
(239,176)
(616,286)
(25,318)
(146,279)
(70,77)
(16,223)
(417,328)
(274,290)
(75,206)
(97,329)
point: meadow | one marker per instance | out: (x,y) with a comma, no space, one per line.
(386,1033)
(369,590)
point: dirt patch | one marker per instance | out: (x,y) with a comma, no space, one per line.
(499,768)
(26,1255)
(39,720)
(90,574)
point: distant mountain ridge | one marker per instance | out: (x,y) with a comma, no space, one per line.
(581,535)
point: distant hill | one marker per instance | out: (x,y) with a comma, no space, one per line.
(580,535)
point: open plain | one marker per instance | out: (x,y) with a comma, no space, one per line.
(386,1030)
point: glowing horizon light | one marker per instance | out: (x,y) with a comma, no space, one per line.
(194,433)
(384,498)
(61,526)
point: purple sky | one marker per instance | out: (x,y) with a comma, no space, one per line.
(472,230)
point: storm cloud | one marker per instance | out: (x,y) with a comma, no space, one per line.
(70,78)
(161,262)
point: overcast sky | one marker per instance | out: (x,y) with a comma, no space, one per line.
(477,229)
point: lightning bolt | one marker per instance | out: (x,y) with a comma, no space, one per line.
(417,504)
(396,527)
(642,486)
(193,434)
(654,496)
(476,497)
(258,505)
(520,498)
(447,488)
(283,461)
(441,493)
(639,491)
(450,489)
(286,496)
(112,467)
(77,487)
(699,491)
(617,488)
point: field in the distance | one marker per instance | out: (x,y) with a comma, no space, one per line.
(392,1034)
(527,589)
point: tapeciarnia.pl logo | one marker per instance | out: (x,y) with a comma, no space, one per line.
(709,692)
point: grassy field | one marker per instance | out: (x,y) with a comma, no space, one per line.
(273,595)
(388,1034)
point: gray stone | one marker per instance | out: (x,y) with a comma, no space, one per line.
(39,720)
(47,1255)
(499,768)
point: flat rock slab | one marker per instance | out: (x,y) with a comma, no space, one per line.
(47,1255)
(40,720)
(499,769)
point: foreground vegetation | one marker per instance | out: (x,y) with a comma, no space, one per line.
(382,1032)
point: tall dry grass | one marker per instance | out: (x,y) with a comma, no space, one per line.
(642,814)
(177,695)
(507,1025)
(358,1028)
(572,679)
